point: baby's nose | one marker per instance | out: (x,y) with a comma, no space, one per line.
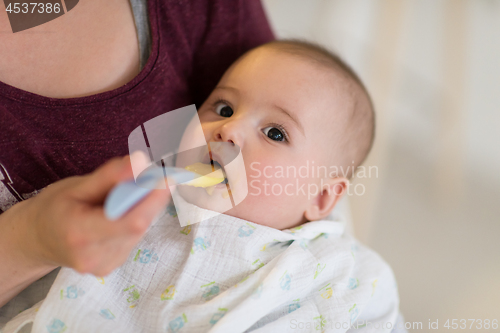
(229,132)
(219,137)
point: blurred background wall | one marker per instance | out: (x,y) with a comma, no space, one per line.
(433,211)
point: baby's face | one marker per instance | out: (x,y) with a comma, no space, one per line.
(284,113)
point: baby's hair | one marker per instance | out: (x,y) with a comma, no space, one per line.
(360,131)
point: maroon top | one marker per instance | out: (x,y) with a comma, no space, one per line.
(45,139)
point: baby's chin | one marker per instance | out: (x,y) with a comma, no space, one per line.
(256,213)
(259,210)
(215,198)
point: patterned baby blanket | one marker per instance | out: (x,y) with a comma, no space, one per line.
(226,274)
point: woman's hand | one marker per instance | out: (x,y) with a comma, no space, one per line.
(65,225)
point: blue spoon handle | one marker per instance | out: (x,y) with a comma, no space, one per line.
(127,194)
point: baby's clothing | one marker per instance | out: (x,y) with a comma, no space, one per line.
(226,274)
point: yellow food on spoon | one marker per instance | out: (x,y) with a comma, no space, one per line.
(207,177)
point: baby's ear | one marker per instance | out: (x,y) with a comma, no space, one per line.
(323,203)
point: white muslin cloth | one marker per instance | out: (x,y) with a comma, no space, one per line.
(226,274)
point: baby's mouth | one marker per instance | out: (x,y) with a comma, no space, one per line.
(211,173)
(212,165)
(213,159)
(216,165)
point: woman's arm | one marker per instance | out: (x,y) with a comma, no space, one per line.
(18,270)
(65,225)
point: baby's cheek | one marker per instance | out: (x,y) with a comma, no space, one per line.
(275,201)
(274,198)
(274,183)
(273,188)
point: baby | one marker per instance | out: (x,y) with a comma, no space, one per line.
(284,104)
(279,261)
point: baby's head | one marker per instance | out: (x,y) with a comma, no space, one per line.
(303,121)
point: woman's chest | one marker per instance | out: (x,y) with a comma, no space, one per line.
(91,49)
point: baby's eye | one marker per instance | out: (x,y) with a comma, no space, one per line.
(224,110)
(274,134)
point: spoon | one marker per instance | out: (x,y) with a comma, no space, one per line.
(127,194)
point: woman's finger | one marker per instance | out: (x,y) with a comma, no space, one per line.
(94,187)
(138,219)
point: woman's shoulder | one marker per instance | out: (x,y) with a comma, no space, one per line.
(210,36)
